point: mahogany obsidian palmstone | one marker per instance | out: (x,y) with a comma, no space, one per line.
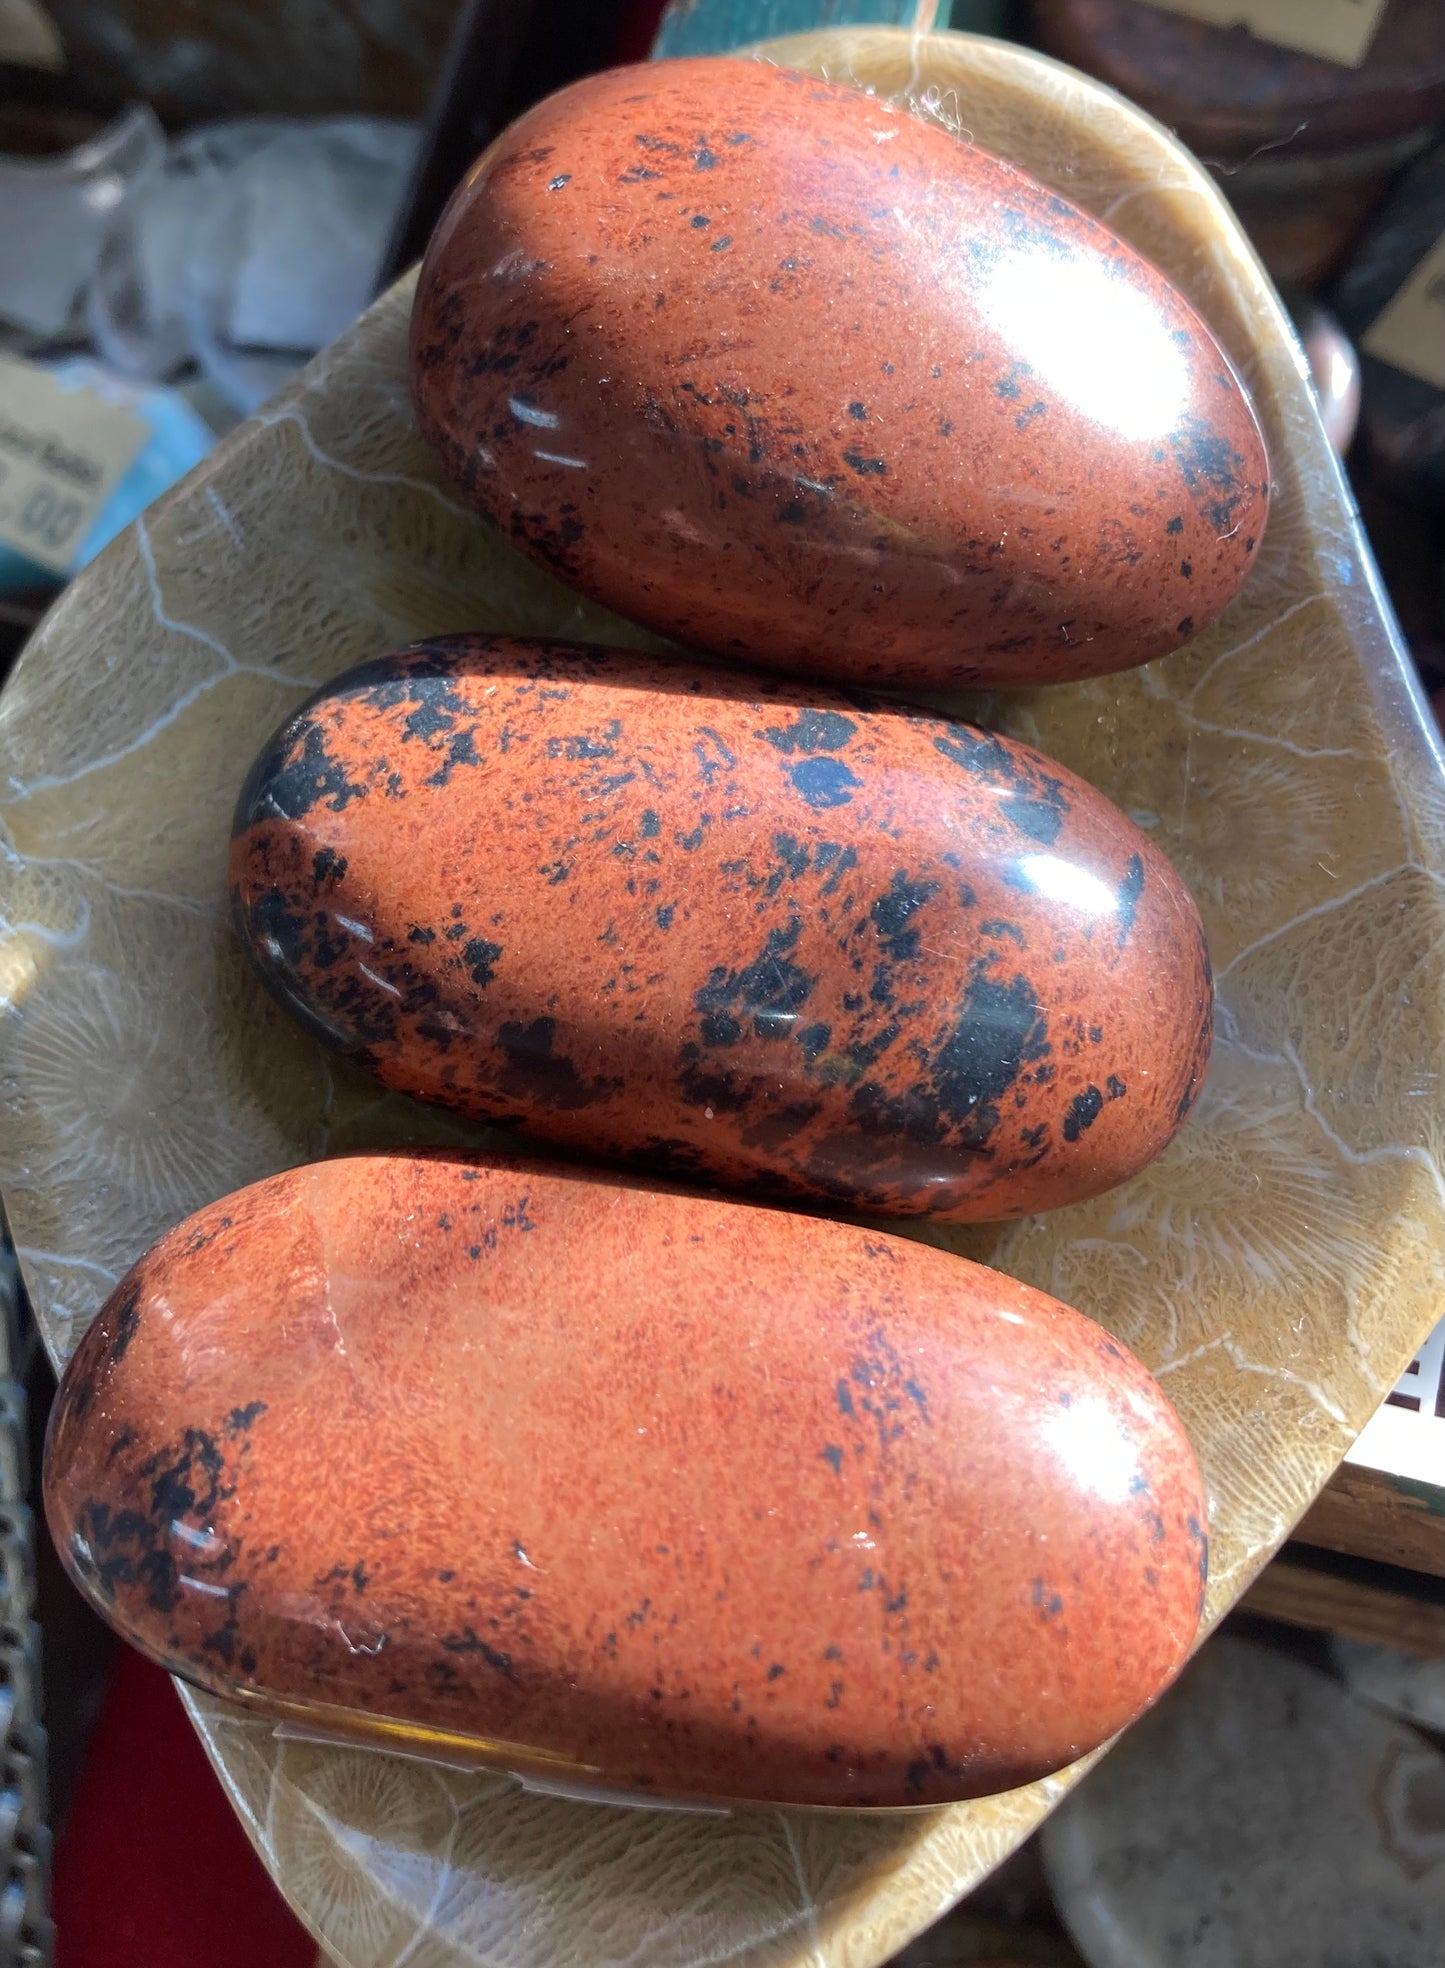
(627,1487)
(727,926)
(789,373)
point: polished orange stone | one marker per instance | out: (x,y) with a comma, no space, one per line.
(788,373)
(627,1486)
(756,931)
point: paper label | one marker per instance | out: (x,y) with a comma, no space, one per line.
(1339,30)
(62,454)
(1410,331)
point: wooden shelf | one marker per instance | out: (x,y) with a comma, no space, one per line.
(1388,1608)
(1372,1514)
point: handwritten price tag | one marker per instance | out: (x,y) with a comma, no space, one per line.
(1339,30)
(62,454)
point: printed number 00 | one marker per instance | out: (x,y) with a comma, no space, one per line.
(50,516)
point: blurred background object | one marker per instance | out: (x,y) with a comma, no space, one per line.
(164,439)
(53,215)
(1399,1683)
(1334,366)
(240,247)
(252,245)
(502,56)
(1262,1813)
(1391,299)
(1303,146)
(28,36)
(195,61)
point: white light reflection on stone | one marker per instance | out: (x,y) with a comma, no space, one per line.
(1093,337)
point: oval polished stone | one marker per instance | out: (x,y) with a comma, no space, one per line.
(782,940)
(630,1487)
(790,374)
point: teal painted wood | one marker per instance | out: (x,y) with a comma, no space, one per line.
(711,27)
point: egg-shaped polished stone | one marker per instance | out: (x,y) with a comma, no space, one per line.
(788,373)
(626,1486)
(725,924)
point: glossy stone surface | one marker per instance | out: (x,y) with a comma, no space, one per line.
(1278,1266)
(767,936)
(637,1487)
(785,373)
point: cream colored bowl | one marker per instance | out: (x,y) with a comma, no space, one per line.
(1276,1267)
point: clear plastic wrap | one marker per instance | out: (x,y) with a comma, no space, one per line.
(54,213)
(253,245)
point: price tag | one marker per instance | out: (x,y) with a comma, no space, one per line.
(1339,30)
(1409,333)
(62,454)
